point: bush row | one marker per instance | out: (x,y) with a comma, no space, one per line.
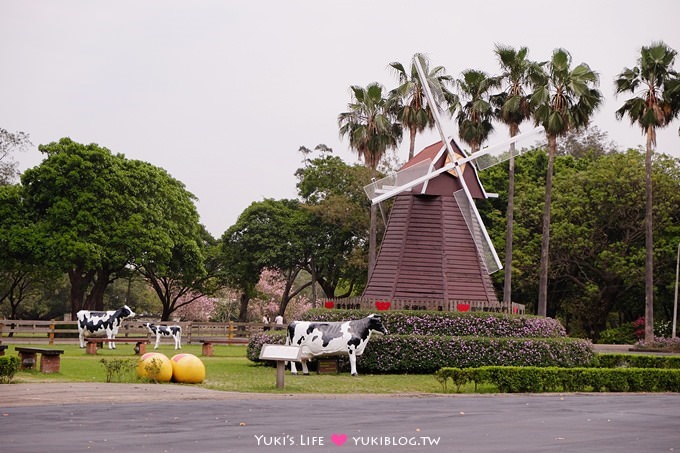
(553,379)
(420,354)
(636,361)
(257,340)
(425,354)
(9,365)
(480,324)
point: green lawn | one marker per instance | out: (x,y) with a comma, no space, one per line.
(230,370)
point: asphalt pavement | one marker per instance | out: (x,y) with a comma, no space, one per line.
(357,423)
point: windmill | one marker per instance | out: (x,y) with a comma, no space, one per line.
(436,246)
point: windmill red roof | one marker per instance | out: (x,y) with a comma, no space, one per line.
(446,183)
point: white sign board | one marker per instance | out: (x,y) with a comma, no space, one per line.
(280,352)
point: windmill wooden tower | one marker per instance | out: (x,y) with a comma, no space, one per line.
(436,247)
(428,251)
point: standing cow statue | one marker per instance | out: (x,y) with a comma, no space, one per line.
(332,338)
(166,331)
(101,323)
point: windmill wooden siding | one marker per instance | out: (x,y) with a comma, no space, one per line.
(428,252)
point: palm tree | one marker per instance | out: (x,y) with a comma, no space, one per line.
(513,109)
(414,112)
(475,113)
(653,106)
(371,128)
(564,99)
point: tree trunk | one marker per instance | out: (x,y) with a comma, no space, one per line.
(80,280)
(167,308)
(412,145)
(649,243)
(95,299)
(507,283)
(243,310)
(545,241)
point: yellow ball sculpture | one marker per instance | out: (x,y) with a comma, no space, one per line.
(154,366)
(187,369)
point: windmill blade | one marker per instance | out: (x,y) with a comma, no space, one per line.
(404,180)
(500,152)
(434,107)
(480,235)
(398,182)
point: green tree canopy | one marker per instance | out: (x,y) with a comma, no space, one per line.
(332,193)
(564,99)
(9,143)
(372,129)
(598,253)
(413,110)
(655,86)
(99,213)
(275,234)
(476,112)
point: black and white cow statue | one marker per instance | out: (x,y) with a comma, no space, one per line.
(101,323)
(166,331)
(332,338)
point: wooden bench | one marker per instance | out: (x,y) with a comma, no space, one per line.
(207,349)
(140,343)
(50,359)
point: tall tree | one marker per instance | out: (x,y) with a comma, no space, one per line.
(563,99)
(513,109)
(22,270)
(273,234)
(174,258)
(414,112)
(10,142)
(99,213)
(653,83)
(332,192)
(371,128)
(476,112)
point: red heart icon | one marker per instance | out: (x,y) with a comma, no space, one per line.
(339,439)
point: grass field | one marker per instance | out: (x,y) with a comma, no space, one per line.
(230,370)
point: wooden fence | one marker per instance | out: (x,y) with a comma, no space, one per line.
(67,331)
(192,331)
(421,304)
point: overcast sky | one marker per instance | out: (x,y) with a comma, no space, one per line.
(222,94)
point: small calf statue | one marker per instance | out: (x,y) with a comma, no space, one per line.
(166,331)
(101,323)
(333,338)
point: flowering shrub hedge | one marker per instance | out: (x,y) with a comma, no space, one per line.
(553,379)
(420,354)
(426,354)
(257,340)
(481,324)
(636,361)
(660,344)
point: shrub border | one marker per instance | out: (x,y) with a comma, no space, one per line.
(554,379)
(420,354)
